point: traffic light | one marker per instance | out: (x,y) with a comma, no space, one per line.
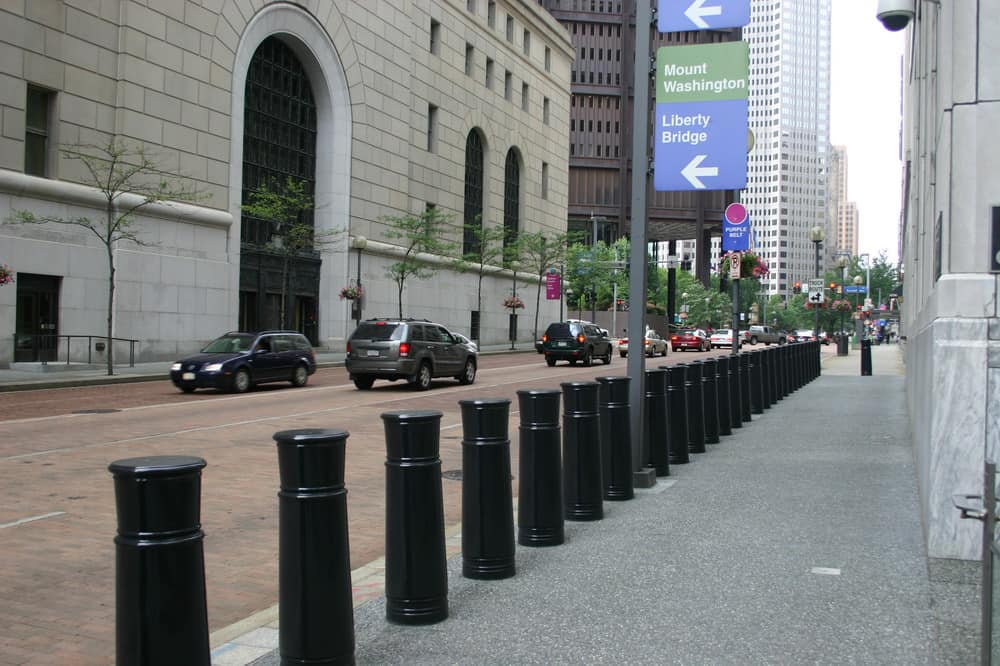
(833,286)
(797,289)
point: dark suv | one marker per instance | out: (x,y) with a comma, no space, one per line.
(575,341)
(237,360)
(416,350)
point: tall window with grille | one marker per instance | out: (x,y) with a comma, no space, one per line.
(511,201)
(474,174)
(36,131)
(279,141)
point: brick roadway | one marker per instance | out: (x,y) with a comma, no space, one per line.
(57,517)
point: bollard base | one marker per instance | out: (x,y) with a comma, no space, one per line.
(540,536)
(416,611)
(644,478)
(488,568)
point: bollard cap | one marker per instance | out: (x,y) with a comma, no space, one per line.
(311,458)
(158,496)
(539,407)
(656,379)
(412,435)
(614,390)
(580,396)
(485,419)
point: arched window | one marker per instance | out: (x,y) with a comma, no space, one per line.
(473,217)
(279,135)
(511,201)
(277,290)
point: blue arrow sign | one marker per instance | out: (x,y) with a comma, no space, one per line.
(700,146)
(683,15)
(855,289)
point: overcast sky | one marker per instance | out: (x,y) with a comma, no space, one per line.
(865,116)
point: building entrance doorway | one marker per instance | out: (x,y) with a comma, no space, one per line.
(37,327)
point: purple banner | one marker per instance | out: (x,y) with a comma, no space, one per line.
(553,286)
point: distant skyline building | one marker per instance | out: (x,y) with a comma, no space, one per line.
(843,212)
(787,180)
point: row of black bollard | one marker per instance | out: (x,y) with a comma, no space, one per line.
(161,615)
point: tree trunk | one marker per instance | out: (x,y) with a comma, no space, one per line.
(399,296)
(479,305)
(282,322)
(109,347)
(538,303)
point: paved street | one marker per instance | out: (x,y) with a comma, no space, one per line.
(57,520)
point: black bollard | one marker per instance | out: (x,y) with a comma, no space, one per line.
(745,386)
(696,408)
(656,422)
(487,498)
(540,500)
(161,614)
(677,411)
(616,438)
(735,399)
(582,482)
(315,598)
(764,358)
(772,374)
(416,564)
(866,358)
(709,383)
(756,400)
(723,392)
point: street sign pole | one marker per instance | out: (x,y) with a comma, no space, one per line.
(643,477)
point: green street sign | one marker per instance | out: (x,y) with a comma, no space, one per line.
(702,72)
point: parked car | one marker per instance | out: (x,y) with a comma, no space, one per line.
(655,345)
(691,338)
(803,335)
(415,350)
(471,344)
(575,341)
(723,337)
(238,360)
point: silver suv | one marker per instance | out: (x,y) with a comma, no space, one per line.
(416,350)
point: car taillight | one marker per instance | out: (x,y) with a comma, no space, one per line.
(545,338)
(623,341)
(348,347)
(674,338)
(404,348)
(581,338)
(646,342)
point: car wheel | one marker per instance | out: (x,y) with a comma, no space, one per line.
(550,361)
(587,360)
(241,381)
(363,382)
(469,373)
(623,354)
(607,356)
(300,376)
(423,378)
(753,340)
(187,389)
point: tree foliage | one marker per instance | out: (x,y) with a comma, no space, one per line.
(129,179)
(488,250)
(540,253)
(420,234)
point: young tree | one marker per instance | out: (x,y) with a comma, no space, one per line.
(539,254)
(488,250)
(286,206)
(422,233)
(129,179)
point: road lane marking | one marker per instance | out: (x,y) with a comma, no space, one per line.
(32,519)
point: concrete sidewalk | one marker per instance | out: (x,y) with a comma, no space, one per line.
(796,540)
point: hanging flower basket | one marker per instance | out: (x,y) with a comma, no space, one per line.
(813,306)
(842,305)
(751,265)
(350,292)
(6,274)
(513,302)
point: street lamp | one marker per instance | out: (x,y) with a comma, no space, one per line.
(360,242)
(816,236)
(858,327)
(569,301)
(514,265)
(843,259)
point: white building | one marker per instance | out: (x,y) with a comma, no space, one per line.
(382,109)
(950,239)
(786,192)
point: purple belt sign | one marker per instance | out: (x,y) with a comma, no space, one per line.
(736,228)
(553,284)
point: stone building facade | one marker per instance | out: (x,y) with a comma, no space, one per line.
(382,109)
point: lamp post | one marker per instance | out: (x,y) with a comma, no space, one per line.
(360,242)
(569,301)
(816,236)
(514,265)
(684,308)
(843,258)
(858,326)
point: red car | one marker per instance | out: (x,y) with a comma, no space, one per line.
(695,339)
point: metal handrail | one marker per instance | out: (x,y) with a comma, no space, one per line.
(38,338)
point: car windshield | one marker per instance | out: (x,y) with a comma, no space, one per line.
(378,330)
(231,344)
(561,330)
(723,332)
